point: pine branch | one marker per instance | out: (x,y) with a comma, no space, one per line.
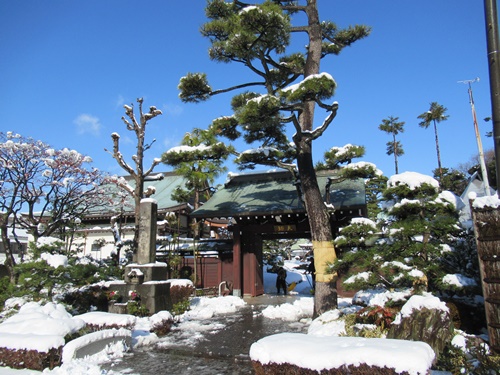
(248,84)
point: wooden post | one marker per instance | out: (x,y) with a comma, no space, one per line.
(237,263)
(487,232)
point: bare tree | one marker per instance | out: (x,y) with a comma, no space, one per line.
(136,171)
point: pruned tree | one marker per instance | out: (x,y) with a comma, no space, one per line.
(340,159)
(434,115)
(257,37)
(200,159)
(137,170)
(393,127)
(43,189)
(419,241)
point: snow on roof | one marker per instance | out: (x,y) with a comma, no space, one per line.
(412,179)
(315,353)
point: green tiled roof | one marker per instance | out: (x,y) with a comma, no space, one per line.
(274,193)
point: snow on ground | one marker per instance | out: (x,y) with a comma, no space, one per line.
(197,322)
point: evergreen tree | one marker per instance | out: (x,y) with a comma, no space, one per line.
(434,115)
(417,243)
(200,159)
(451,179)
(257,37)
(392,126)
(340,159)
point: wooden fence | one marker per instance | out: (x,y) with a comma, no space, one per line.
(487,232)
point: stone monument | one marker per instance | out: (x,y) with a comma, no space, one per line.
(145,281)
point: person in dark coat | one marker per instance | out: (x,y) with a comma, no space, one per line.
(281,280)
(311,269)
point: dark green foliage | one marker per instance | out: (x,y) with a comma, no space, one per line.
(226,126)
(136,308)
(319,87)
(246,35)
(451,179)
(338,156)
(194,87)
(374,187)
(7,290)
(200,160)
(38,280)
(336,40)
(180,297)
(419,243)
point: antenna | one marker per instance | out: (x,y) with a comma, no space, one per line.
(484,174)
(469,81)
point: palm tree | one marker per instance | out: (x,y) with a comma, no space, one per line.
(434,115)
(391,126)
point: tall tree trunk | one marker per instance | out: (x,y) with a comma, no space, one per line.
(437,150)
(321,233)
(395,150)
(10,261)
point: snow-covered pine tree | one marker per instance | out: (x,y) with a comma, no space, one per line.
(200,159)
(257,35)
(340,159)
(416,243)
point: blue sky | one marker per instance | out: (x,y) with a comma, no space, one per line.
(68,67)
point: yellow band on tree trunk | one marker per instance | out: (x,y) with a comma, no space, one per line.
(324,255)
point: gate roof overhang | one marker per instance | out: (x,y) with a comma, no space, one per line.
(257,196)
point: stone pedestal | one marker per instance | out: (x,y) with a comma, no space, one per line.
(146,278)
(155,295)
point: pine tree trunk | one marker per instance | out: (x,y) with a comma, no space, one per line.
(321,233)
(395,150)
(437,150)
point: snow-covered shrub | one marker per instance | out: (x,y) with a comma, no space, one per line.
(161,323)
(420,243)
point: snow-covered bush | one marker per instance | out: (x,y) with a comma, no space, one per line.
(419,243)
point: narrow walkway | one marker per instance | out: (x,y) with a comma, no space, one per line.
(224,351)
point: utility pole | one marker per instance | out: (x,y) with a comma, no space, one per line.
(491,21)
(484,172)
